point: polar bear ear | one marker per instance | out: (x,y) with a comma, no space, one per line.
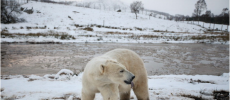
(111,60)
(102,68)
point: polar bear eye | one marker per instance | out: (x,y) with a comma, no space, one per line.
(122,71)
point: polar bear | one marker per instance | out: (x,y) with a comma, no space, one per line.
(113,75)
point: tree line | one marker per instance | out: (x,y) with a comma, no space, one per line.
(208,16)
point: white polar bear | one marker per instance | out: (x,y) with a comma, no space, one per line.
(113,74)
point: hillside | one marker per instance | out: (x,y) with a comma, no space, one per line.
(68,23)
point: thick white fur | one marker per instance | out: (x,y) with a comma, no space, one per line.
(104,74)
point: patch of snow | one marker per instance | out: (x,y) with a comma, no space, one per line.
(162,86)
(64,74)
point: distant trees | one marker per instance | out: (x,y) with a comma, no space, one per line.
(209,17)
(136,6)
(200,6)
(224,16)
(179,17)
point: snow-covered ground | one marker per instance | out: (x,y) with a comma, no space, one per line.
(163,87)
(107,25)
(211,26)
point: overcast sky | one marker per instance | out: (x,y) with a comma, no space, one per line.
(184,7)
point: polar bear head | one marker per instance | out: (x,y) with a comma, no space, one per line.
(116,72)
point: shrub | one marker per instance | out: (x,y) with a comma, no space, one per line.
(140,29)
(220,95)
(29,11)
(88,29)
(193,97)
(99,26)
(9,12)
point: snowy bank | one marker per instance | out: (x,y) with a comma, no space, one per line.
(169,87)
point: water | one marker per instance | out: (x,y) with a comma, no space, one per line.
(159,59)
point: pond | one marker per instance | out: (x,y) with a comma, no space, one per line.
(159,59)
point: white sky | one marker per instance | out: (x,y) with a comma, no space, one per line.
(184,7)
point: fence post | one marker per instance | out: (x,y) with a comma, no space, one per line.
(203,24)
(210,25)
(221,27)
(227,28)
(213,26)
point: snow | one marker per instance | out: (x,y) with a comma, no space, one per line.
(162,86)
(57,18)
(64,74)
(211,26)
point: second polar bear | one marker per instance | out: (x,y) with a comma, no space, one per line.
(113,74)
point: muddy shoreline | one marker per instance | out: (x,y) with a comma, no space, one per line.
(159,59)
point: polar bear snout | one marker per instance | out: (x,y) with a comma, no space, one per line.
(130,80)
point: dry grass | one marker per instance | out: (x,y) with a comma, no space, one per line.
(51,77)
(137,28)
(166,31)
(66,96)
(99,26)
(31,80)
(220,95)
(13,97)
(119,33)
(144,36)
(200,81)
(58,35)
(2,89)
(217,95)
(88,29)
(28,27)
(193,97)
(77,25)
(10,98)
(5,77)
(25,76)
(224,37)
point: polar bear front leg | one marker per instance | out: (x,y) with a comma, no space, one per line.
(87,95)
(109,92)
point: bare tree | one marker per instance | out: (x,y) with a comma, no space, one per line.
(8,12)
(224,12)
(208,15)
(136,6)
(200,6)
